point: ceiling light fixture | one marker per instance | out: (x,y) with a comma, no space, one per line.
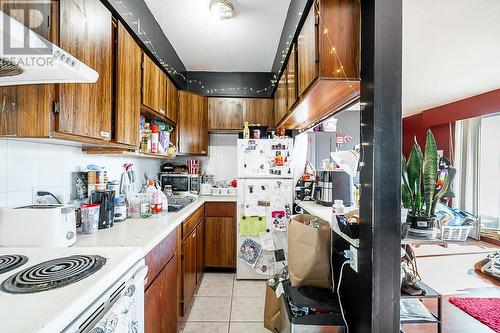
(222,9)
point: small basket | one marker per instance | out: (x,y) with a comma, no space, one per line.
(453,233)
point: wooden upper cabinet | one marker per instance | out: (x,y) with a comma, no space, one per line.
(128,88)
(280,99)
(307,62)
(172,101)
(192,124)
(226,113)
(258,111)
(154,86)
(291,78)
(86,33)
(342,20)
(25,111)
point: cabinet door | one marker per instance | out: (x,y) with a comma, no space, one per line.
(153,83)
(280,101)
(189,269)
(291,79)
(200,250)
(258,111)
(226,113)
(162,92)
(128,92)
(192,125)
(307,53)
(172,99)
(220,242)
(160,301)
(86,33)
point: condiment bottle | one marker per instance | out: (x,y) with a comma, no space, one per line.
(246,131)
(154,139)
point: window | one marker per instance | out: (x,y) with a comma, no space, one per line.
(489,173)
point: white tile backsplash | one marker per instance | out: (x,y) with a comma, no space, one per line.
(221,159)
(26,167)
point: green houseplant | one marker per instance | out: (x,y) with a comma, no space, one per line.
(423,183)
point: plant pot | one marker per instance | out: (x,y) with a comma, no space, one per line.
(404,229)
(423,223)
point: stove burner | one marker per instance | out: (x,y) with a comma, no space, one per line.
(10,262)
(52,274)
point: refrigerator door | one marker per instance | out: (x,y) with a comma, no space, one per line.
(265,158)
(264,206)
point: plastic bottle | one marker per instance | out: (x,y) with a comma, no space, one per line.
(157,203)
(145,205)
(246,131)
(154,139)
(146,139)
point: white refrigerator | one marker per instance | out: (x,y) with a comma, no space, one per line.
(265,198)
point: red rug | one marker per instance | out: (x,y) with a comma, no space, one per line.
(486,310)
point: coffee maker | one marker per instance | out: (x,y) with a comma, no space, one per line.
(105,198)
(334,185)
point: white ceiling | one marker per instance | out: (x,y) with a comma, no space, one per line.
(451,50)
(246,43)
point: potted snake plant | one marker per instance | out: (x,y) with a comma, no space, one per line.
(424,183)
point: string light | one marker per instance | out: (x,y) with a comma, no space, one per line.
(146,40)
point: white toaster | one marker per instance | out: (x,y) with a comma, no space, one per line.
(38,225)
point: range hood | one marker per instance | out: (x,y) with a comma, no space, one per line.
(28,58)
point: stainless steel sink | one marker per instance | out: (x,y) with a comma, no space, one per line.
(176,204)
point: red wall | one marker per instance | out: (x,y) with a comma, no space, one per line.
(438,119)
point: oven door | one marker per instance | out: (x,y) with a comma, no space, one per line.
(179,183)
(119,310)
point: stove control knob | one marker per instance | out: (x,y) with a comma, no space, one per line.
(70,235)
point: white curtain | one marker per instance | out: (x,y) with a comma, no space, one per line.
(467,145)
(299,157)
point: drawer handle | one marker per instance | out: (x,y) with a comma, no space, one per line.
(194,234)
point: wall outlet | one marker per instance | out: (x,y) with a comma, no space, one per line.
(354,260)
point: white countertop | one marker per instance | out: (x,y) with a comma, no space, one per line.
(144,233)
(326,213)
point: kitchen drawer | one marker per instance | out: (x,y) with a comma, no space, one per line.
(158,257)
(192,221)
(220,209)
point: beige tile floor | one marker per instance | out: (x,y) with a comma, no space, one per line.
(226,305)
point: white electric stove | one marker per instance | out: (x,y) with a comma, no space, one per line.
(48,290)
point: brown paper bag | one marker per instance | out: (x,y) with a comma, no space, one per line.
(309,252)
(272,311)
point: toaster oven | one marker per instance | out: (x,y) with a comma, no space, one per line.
(181,183)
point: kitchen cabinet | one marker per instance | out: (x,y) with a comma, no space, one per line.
(327,64)
(307,61)
(160,301)
(189,270)
(280,99)
(128,92)
(258,111)
(192,258)
(192,125)
(86,32)
(25,111)
(200,251)
(229,114)
(154,86)
(226,113)
(172,102)
(220,235)
(161,296)
(291,79)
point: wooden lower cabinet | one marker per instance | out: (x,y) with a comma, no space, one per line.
(189,269)
(160,301)
(200,251)
(220,246)
(220,235)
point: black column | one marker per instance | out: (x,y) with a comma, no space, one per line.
(379,257)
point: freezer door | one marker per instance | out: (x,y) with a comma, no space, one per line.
(265,158)
(263,209)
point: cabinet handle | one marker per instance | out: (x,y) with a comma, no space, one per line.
(194,234)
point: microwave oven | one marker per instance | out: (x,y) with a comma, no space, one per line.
(181,183)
